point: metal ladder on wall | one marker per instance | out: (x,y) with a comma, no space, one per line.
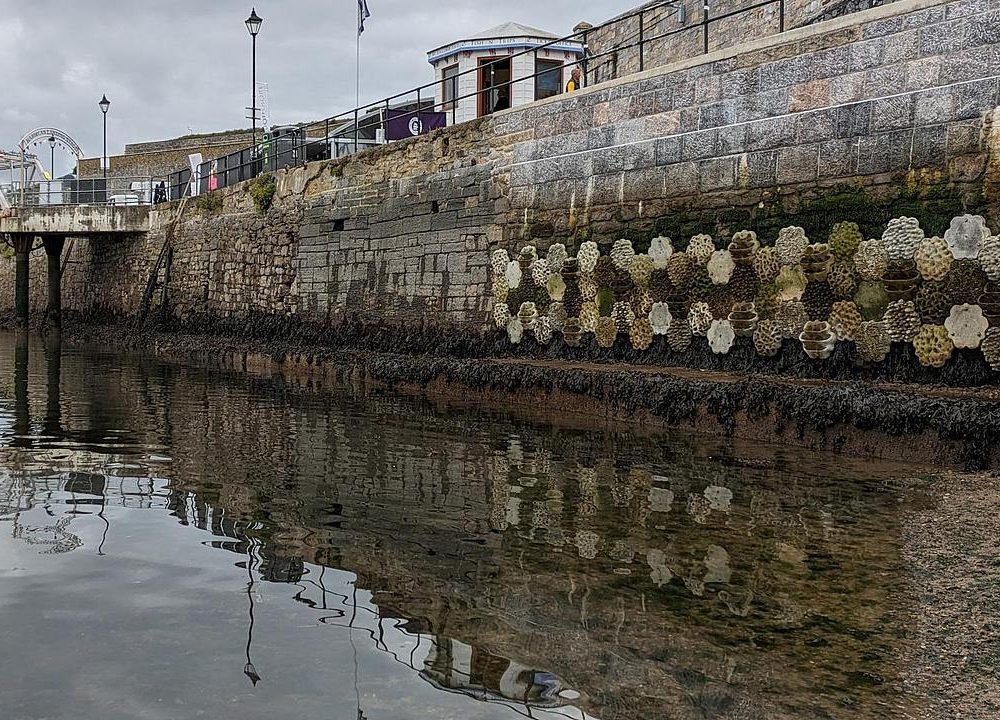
(162,264)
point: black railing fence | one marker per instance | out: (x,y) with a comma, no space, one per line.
(366,126)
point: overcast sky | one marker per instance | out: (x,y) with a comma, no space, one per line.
(170,67)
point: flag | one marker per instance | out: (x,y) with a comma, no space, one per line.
(363,14)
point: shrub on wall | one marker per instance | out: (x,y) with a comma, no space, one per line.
(262,191)
(210,203)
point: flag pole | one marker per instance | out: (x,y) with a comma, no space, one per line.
(357,62)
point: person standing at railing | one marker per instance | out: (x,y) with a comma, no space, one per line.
(160,194)
(574,81)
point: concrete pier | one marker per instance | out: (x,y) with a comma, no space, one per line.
(53,253)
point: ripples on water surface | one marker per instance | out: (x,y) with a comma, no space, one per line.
(180,543)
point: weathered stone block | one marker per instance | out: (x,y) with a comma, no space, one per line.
(717,174)
(867,54)
(837,158)
(815,126)
(964,138)
(892,113)
(884,152)
(854,119)
(717,114)
(771,133)
(732,139)
(847,88)
(697,145)
(668,150)
(929,147)
(758,169)
(797,164)
(681,178)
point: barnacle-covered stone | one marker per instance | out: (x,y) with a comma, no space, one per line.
(791,282)
(587,256)
(933,346)
(513,274)
(989,301)
(528,314)
(964,282)
(744,319)
(622,254)
(555,286)
(660,286)
(767,338)
(641,270)
(872,341)
(498,261)
(790,318)
(681,271)
(901,280)
(623,315)
(588,286)
(791,245)
(901,238)
(901,320)
(845,319)
(743,247)
(720,267)
(660,318)
(539,272)
(500,288)
(932,303)
(572,300)
(818,299)
(743,283)
(816,262)
(501,315)
(818,339)
(679,305)
(989,258)
(641,334)
(606,332)
(527,256)
(991,348)
(557,315)
(642,303)
(872,300)
(700,249)
(543,330)
(966,326)
(933,258)
(515,331)
(842,280)
(660,250)
(844,240)
(721,337)
(556,256)
(702,286)
(720,302)
(679,336)
(871,260)
(589,315)
(700,318)
(572,333)
(767,300)
(966,235)
(766,264)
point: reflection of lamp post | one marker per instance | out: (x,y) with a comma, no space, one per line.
(52,164)
(253,24)
(249,670)
(104,105)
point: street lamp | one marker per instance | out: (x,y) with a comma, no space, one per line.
(253,24)
(104,105)
(52,164)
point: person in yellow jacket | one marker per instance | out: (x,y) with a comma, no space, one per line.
(574,81)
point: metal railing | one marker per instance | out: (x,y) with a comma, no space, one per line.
(112,191)
(420,109)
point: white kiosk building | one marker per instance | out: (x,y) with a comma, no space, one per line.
(488,65)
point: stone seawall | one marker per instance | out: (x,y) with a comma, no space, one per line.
(882,113)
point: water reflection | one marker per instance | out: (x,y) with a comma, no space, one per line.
(540,572)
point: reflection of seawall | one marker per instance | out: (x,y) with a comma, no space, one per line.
(621,564)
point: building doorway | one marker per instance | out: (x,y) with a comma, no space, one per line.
(495,90)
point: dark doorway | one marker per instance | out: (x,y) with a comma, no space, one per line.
(495,90)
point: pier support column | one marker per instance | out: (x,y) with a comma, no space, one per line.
(22,247)
(53,254)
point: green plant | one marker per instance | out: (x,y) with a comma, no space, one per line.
(262,191)
(210,203)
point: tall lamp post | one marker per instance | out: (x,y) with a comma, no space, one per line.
(52,164)
(104,105)
(253,24)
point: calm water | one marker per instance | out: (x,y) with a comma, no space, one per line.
(182,543)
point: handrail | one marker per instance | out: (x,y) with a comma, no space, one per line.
(325,138)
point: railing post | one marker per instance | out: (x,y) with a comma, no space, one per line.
(781,15)
(420,123)
(704,22)
(355,130)
(586,61)
(642,44)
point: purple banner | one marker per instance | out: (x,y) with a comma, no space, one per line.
(403,124)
